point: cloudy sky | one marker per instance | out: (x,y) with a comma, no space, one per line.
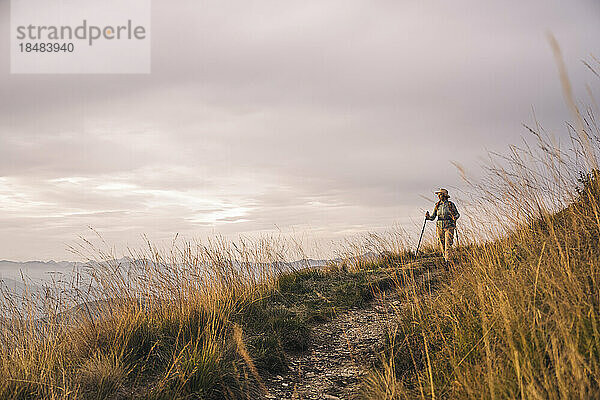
(325,118)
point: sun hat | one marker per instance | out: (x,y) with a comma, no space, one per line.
(443,191)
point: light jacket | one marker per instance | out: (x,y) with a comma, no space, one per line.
(446,213)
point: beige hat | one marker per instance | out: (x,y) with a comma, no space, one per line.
(443,191)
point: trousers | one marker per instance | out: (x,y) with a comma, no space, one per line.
(445,239)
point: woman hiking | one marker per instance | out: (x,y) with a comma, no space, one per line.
(447,214)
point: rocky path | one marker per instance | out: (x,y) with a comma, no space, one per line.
(341,352)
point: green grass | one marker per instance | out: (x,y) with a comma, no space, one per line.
(281,322)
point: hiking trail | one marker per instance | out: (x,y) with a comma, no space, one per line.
(341,352)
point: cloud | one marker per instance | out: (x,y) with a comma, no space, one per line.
(331,116)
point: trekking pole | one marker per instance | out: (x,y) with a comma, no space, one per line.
(421,237)
(457,242)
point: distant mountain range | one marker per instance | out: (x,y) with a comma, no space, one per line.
(41,280)
(47,270)
(36,270)
(37,276)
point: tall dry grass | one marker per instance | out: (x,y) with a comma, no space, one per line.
(519,316)
(157,324)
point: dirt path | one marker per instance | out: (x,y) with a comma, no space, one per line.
(341,352)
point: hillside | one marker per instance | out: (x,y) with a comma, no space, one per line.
(515,316)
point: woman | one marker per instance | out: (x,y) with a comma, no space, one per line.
(447,214)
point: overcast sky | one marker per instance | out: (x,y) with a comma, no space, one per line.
(324,118)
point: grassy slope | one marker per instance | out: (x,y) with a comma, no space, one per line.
(518,319)
(200,346)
